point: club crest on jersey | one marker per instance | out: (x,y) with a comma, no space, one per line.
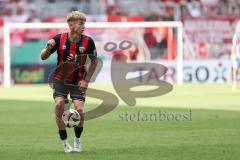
(81,49)
(64,47)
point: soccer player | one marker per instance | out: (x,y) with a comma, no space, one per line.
(235,55)
(72,48)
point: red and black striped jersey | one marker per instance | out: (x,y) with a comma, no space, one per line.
(72,57)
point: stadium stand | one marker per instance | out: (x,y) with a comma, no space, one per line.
(200,42)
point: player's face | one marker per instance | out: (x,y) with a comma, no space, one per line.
(77,26)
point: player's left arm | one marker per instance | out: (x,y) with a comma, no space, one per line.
(91,69)
(92,54)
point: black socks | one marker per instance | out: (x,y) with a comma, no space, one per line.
(63,134)
(78,131)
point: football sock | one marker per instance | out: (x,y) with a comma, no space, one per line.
(63,134)
(78,131)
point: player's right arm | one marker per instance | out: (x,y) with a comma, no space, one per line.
(46,52)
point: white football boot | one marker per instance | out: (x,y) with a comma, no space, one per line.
(77,145)
(67,146)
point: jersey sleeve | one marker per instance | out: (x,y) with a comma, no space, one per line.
(57,40)
(92,52)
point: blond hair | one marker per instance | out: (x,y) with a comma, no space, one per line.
(76,15)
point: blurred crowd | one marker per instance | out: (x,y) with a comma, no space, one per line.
(19,11)
(41,10)
(204,41)
(209,8)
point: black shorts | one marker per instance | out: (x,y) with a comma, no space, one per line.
(62,90)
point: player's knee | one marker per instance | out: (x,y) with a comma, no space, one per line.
(60,104)
(79,109)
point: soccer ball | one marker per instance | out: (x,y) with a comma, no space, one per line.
(71,118)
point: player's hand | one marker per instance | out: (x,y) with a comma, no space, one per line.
(83,85)
(45,53)
(50,44)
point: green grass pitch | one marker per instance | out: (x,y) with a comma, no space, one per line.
(28,129)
